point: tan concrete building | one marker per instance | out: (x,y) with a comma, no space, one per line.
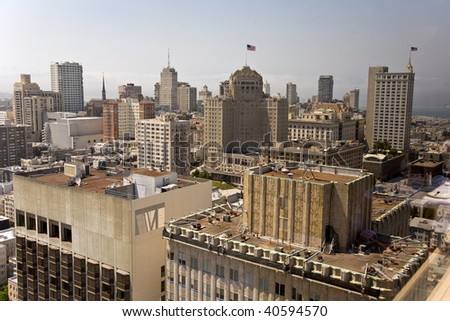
(100,238)
(187,98)
(167,89)
(389,107)
(310,206)
(130,91)
(212,256)
(391,215)
(243,116)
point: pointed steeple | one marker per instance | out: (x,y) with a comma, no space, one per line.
(409,67)
(103,90)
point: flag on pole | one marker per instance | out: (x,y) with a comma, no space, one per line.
(413,48)
(251,48)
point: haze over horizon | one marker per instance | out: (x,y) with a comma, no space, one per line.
(296,41)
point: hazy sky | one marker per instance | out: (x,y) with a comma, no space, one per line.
(296,41)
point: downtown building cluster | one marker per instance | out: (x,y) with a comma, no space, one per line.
(123,219)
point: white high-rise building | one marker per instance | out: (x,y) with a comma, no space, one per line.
(163,143)
(389,107)
(67,79)
(266,88)
(187,98)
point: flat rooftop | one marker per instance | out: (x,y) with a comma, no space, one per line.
(98,181)
(391,259)
(312,175)
(382,204)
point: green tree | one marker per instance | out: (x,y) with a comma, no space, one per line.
(4,293)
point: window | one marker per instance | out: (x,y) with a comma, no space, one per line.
(66,231)
(220,294)
(207,290)
(42,225)
(314,297)
(182,281)
(206,265)
(194,263)
(234,296)
(220,271)
(54,229)
(296,296)
(263,284)
(171,256)
(163,271)
(234,275)
(31,222)
(163,286)
(20,218)
(279,289)
(194,285)
(171,277)
(181,259)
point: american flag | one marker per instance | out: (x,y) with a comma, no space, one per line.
(413,48)
(251,48)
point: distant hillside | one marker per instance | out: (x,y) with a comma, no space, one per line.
(5,95)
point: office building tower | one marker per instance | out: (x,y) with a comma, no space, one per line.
(325,94)
(67,79)
(243,116)
(120,117)
(130,91)
(15,144)
(266,88)
(354,99)
(157,88)
(389,107)
(168,88)
(163,143)
(101,237)
(187,98)
(291,93)
(30,104)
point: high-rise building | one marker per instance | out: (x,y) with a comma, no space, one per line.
(67,79)
(389,107)
(103,88)
(100,239)
(325,94)
(291,93)
(164,143)
(130,91)
(168,88)
(354,99)
(243,116)
(15,144)
(187,98)
(30,104)
(120,117)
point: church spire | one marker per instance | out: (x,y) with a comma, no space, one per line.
(103,90)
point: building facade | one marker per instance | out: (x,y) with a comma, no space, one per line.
(72,132)
(168,88)
(291,93)
(325,93)
(130,91)
(101,239)
(67,79)
(389,107)
(243,117)
(164,143)
(15,144)
(187,98)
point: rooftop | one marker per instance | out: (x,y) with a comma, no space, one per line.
(98,181)
(382,204)
(385,258)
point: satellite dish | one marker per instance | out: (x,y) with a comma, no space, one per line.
(78,181)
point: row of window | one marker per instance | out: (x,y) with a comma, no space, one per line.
(42,225)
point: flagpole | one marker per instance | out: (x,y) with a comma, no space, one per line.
(246,54)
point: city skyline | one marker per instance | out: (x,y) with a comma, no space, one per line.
(341,39)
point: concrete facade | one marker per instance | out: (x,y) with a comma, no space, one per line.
(15,144)
(306,210)
(211,257)
(187,98)
(325,92)
(73,133)
(99,240)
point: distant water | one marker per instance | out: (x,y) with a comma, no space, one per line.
(433,112)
